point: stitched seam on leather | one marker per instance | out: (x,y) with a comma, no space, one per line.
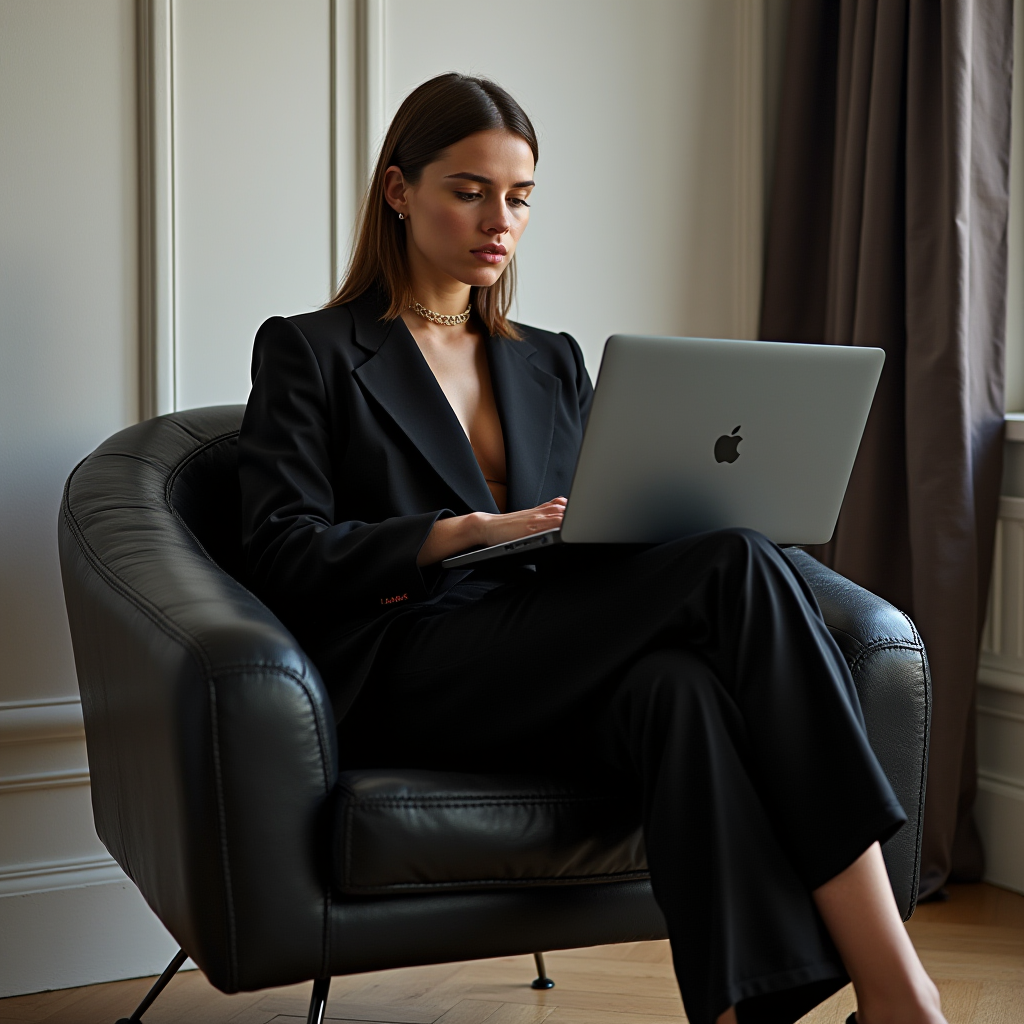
(922,790)
(222,829)
(908,642)
(122,455)
(64,506)
(325,940)
(916,642)
(467,799)
(172,479)
(880,645)
(913,628)
(348,844)
(236,667)
(164,624)
(922,787)
(181,426)
(120,507)
(848,635)
(243,668)
(519,883)
(461,805)
(192,456)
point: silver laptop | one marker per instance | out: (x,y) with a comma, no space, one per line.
(693,434)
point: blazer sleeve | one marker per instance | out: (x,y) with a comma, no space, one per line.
(298,559)
(584,388)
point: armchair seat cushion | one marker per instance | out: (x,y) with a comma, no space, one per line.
(403,831)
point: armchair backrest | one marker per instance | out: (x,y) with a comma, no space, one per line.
(195,697)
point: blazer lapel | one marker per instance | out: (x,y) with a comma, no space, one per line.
(527,398)
(398,377)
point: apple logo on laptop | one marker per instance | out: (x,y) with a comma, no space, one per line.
(727,447)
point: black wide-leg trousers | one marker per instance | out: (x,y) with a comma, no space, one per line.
(700,674)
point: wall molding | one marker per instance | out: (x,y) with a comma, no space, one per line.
(358,62)
(999,810)
(28,721)
(154,62)
(340,170)
(25,724)
(1004,785)
(1002,643)
(1004,713)
(748,166)
(997,679)
(19,879)
(79,934)
(44,780)
(371,85)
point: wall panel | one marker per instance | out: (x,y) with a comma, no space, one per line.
(1000,806)
(252,180)
(67,298)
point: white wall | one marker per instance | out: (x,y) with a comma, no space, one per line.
(68,378)
(632,221)
(648,215)
(252,136)
(135,256)
(67,294)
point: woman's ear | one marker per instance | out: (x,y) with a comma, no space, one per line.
(394,190)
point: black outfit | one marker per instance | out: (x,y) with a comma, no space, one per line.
(698,673)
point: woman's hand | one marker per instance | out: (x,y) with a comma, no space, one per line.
(482,529)
(513,525)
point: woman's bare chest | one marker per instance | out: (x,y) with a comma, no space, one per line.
(462,373)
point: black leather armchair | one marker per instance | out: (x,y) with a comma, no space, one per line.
(215,780)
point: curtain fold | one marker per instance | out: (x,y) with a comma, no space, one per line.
(887,227)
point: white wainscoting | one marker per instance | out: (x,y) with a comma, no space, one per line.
(68,913)
(1000,807)
(44,780)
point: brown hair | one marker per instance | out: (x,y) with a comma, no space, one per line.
(433,117)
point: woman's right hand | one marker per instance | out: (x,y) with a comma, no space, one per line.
(482,529)
(497,529)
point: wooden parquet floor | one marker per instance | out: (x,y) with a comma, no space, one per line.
(973,946)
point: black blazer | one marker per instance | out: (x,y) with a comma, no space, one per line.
(349,452)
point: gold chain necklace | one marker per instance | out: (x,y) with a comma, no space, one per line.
(445,319)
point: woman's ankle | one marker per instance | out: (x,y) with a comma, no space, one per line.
(918,1003)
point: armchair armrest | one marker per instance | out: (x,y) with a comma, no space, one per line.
(210,736)
(890,670)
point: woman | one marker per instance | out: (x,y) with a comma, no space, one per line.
(410,420)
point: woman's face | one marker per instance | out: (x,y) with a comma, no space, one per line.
(463,218)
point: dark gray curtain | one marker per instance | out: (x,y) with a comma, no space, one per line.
(887,227)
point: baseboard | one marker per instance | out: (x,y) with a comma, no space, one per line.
(80,935)
(999,813)
(20,879)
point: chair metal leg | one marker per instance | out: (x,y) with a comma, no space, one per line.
(318,1001)
(542,980)
(158,986)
